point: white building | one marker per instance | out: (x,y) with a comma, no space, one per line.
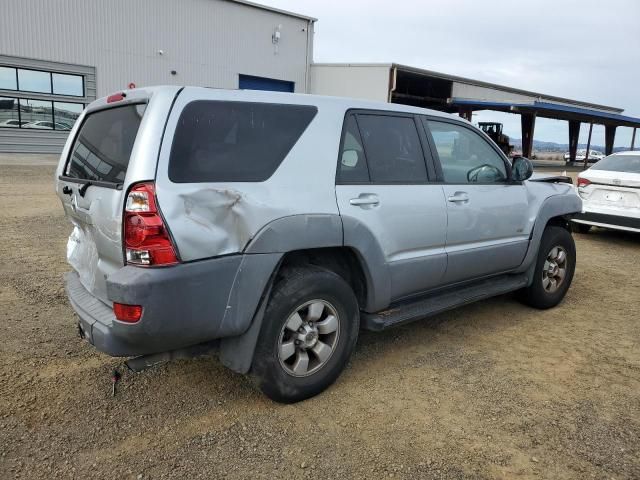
(55,57)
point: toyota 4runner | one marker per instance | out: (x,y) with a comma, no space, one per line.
(277,225)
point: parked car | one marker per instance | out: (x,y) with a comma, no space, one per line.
(279,224)
(46,125)
(594,156)
(610,192)
(13,123)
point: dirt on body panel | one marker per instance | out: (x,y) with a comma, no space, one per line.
(491,390)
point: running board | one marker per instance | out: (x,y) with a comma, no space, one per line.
(409,311)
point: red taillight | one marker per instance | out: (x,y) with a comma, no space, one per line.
(146,239)
(583,182)
(116,97)
(127,313)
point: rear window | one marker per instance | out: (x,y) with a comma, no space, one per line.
(619,163)
(234,141)
(102,148)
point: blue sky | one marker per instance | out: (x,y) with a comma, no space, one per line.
(586,50)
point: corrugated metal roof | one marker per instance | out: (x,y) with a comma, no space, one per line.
(495,86)
(273,9)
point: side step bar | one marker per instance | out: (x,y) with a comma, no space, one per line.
(432,304)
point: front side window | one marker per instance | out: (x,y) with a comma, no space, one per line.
(217,141)
(393,150)
(465,157)
(352,166)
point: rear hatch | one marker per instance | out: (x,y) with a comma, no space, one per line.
(114,144)
(92,183)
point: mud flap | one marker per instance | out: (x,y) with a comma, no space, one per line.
(236,353)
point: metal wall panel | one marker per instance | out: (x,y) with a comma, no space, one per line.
(369,82)
(207,42)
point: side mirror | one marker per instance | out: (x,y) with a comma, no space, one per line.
(521,169)
(349,158)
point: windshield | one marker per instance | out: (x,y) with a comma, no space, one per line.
(619,163)
(104,143)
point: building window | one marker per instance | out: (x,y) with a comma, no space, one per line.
(34,81)
(8,79)
(41,81)
(38,114)
(70,85)
(66,114)
(9,115)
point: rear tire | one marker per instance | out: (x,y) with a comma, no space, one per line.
(581,227)
(554,269)
(302,350)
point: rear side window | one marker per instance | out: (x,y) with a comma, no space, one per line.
(103,146)
(353,164)
(234,141)
(393,150)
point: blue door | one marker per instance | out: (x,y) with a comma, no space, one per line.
(249,82)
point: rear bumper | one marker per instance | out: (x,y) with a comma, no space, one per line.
(182,305)
(617,222)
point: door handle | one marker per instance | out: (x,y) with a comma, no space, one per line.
(458,197)
(365,200)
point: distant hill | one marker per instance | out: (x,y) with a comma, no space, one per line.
(559,147)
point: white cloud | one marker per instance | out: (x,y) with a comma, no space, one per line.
(583,49)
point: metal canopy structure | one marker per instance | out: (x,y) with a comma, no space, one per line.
(425,88)
(574,115)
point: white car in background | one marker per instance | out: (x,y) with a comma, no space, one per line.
(46,125)
(12,123)
(610,192)
(594,156)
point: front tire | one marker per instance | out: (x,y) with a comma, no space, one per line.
(554,269)
(309,331)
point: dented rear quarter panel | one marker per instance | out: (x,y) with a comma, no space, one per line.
(212,219)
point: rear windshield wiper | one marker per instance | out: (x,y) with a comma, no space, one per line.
(83,188)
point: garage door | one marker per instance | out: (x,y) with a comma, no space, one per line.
(249,82)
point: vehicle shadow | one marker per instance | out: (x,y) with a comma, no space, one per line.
(602,235)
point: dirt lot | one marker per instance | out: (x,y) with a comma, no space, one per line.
(493,390)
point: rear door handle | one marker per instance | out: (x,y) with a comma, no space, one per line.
(365,200)
(458,197)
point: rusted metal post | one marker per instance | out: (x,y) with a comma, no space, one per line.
(633,139)
(465,113)
(528,124)
(586,155)
(574,133)
(609,138)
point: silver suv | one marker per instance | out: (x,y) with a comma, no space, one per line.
(277,225)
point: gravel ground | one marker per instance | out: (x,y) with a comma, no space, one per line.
(492,390)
